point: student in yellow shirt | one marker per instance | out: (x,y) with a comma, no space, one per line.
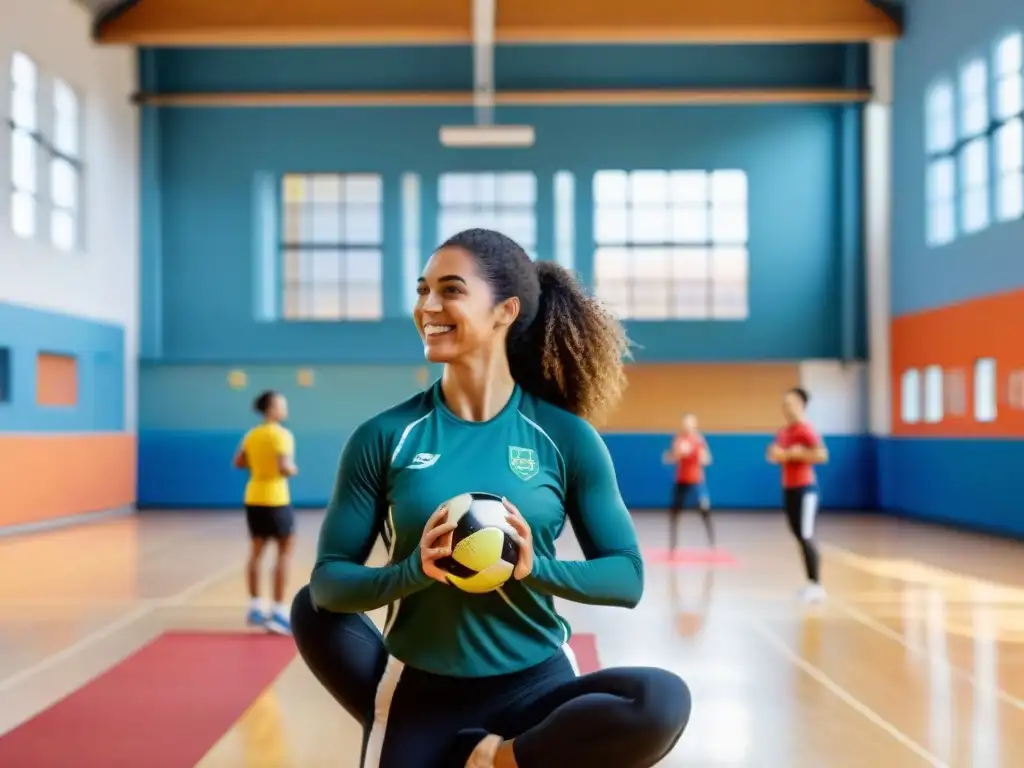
(268,452)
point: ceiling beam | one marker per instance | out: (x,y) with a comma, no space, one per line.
(553,98)
(484,18)
(454,22)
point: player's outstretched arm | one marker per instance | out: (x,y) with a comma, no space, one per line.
(613,573)
(341,582)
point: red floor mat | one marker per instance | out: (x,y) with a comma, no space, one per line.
(682,558)
(584,647)
(164,706)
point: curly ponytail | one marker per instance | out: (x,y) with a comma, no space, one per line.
(565,347)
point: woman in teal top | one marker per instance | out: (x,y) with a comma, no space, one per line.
(488,680)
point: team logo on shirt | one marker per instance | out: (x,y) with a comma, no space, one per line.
(523,462)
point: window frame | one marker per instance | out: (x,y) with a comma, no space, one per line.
(489,213)
(298,295)
(55,155)
(974,140)
(990,413)
(911,382)
(33,132)
(705,251)
(1012,119)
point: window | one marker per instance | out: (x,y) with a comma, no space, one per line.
(56,379)
(25,142)
(1015,390)
(672,244)
(331,254)
(933,394)
(940,184)
(412,259)
(65,168)
(1008,134)
(941,210)
(502,201)
(985,389)
(565,219)
(910,396)
(954,387)
(974,150)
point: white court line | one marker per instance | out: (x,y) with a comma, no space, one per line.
(917,650)
(66,653)
(145,608)
(846,697)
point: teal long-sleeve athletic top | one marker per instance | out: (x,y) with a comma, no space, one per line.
(402,464)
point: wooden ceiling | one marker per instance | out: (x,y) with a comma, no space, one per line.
(418,22)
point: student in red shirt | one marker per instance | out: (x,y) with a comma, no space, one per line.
(798,448)
(690,454)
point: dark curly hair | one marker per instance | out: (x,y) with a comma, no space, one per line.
(565,347)
(262,402)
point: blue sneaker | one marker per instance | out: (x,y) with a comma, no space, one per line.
(255,618)
(278,624)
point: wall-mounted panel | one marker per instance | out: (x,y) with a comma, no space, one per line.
(930,346)
(66,374)
(740,397)
(56,380)
(46,476)
(192,420)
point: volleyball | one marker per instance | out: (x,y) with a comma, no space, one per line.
(484,550)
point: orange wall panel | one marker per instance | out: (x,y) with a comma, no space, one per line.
(954,338)
(56,379)
(44,476)
(741,397)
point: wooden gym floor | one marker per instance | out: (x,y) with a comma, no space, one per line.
(917,658)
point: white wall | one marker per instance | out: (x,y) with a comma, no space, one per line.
(102,281)
(838,392)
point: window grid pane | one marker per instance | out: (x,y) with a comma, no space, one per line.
(910,397)
(503,201)
(974,178)
(565,219)
(933,397)
(331,255)
(672,244)
(985,400)
(940,121)
(973,98)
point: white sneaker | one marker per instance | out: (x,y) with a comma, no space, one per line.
(812,593)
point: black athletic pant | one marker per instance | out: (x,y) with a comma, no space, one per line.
(801,511)
(680,493)
(614,718)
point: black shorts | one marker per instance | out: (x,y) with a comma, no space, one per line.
(683,493)
(270,522)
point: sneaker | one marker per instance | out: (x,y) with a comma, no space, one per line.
(278,624)
(255,618)
(812,593)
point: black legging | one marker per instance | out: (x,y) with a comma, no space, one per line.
(615,718)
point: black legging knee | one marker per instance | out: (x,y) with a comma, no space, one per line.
(614,718)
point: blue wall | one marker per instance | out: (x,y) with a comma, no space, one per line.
(99,350)
(192,423)
(940,36)
(968,481)
(201,168)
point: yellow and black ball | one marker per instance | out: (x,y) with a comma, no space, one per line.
(484,549)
